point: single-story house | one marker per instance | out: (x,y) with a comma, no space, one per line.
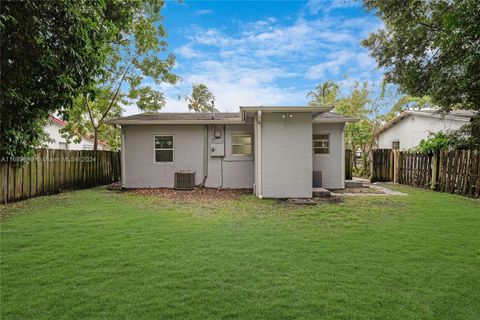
(279,152)
(56,141)
(410,127)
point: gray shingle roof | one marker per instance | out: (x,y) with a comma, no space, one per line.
(188,117)
(183,116)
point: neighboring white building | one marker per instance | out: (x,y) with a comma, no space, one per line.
(58,142)
(412,126)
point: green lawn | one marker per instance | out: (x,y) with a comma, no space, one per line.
(96,254)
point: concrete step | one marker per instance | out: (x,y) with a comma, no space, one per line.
(321,193)
(353,184)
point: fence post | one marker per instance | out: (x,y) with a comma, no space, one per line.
(435,171)
(396,165)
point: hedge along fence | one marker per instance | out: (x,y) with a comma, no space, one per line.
(52,171)
(455,171)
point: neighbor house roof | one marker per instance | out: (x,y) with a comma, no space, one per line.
(61,123)
(458,115)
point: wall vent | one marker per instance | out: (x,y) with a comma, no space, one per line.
(184,180)
(317,179)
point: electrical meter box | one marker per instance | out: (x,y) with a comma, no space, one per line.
(217,150)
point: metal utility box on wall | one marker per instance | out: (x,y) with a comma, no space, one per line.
(184,180)
(217,150)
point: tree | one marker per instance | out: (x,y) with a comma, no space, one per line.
(362,101)
(81,124)
(325,93)
(430,48)
(136,60)
(50,51)
(201,99)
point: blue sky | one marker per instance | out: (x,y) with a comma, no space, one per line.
(267,52)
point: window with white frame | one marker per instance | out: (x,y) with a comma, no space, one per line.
(321,144)
(396,145)
(62,146)
(241,144)
(88,147)
(163,148)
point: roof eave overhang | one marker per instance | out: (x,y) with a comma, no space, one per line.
(337,120)
(276,109)
(147,122)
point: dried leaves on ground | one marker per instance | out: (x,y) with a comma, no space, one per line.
(195,195)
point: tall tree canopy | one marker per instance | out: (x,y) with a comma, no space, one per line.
(137,65)
(324,94)
(201,99)
(430,48)
(50,51)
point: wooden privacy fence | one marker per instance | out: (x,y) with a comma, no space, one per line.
(52,171)
(455,171)
(348,164)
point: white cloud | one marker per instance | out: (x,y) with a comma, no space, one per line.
(273,61)
(202,12)
(316,6)
(188,52)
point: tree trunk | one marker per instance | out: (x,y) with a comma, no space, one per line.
(95,138)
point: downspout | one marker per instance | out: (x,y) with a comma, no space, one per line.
(259,155)
(205,156)
(342,185)
(123,174)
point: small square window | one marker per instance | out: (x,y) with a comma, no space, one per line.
(241,144)
(163,147)
(62,146)
(321,144)
(396,145)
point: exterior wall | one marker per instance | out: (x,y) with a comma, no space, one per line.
(54,133)
(332,164)
(189,154)
(412,129)
(231,171)
(286,162)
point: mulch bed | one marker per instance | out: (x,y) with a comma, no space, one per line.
(195,195)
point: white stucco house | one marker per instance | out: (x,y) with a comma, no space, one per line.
(409,128)
(279,152)
(56,141)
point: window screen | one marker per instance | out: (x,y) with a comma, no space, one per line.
(163,148)
(395,145)
(321,143)
(241,144)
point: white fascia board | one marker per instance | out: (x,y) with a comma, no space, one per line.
(336,120)
(293,109)
(146,122)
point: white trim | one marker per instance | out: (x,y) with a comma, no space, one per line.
(335,120)
(155,149)
(146,122)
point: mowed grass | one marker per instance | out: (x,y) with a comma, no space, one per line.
(97,254)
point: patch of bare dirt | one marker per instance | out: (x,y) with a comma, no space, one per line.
(363,190)
(195,195)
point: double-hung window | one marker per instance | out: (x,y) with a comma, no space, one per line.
(241,144)
(396,145)
(163,148)
(321,144)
